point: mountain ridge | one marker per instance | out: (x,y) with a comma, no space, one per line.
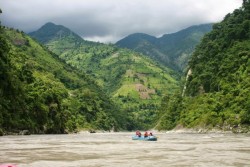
(172,49)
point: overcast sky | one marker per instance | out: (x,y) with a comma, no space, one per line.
(111,20)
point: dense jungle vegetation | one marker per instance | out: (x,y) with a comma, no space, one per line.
(42,94)
(217,92)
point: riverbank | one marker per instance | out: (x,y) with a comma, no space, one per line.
(223,130)
(178,129)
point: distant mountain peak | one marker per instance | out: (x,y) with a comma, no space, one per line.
(51,31)
(135,39)
(49,24)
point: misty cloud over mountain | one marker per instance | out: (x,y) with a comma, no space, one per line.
(111,20)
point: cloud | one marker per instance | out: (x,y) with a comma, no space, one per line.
(111,20)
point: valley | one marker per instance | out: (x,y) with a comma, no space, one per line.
(52,81)
(135,82)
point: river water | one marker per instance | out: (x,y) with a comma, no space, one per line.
(117,149)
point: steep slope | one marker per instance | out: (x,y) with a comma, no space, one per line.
(42,94)
(134,81)
(173,50)
(218,82)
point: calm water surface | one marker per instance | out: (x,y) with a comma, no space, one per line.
(117,149)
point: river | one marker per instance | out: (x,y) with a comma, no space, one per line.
(118,150)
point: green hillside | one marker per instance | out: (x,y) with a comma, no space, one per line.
(134,81)
(217,92)
(42,94)
(173,50)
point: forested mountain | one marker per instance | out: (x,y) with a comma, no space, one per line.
(42,94)
(173,50)
(217,92)
(134,81)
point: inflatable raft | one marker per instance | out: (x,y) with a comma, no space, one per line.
(149,138)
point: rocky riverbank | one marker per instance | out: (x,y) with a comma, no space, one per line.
(21,132)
